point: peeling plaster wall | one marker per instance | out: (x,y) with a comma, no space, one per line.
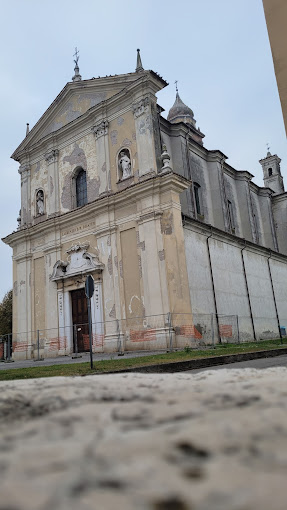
(252,209)
(230,287)
(144,271)
(232,196)
(266,213)
(78,154)
(131,274)
(75,106)
(246,207)
(280,216)
(39,179)
(39,295)
(122,134)
(258,224)
(174,250)
(15,297)
(199,174)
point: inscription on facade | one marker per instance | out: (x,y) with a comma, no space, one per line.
(96,295)
(79,228)
(60,303)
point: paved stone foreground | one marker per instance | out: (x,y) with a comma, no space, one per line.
(211,441)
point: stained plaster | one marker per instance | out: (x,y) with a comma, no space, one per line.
(198,175)
(78,104)
(166,223)
(81,154)
(39,179)
(156,135)
(231,195)
(120,137)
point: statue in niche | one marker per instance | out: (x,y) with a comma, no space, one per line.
(125,170)
(40,202)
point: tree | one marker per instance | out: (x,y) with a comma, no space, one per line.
(6,313)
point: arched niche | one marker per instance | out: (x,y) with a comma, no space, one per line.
(124,164)
(40,202)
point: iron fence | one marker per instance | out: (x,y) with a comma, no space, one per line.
(164,332)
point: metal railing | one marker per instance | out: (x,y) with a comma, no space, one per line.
(164,332)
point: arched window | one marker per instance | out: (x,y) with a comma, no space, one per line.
(81,188)
(269,172)
(196,188)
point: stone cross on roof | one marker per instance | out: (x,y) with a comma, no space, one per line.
(76,54)
(77,76)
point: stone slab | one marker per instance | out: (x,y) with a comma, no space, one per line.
(210,441)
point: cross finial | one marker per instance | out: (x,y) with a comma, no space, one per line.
(77,76)
(76,55)
(176,88)
(268,147)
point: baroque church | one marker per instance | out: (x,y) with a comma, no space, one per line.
(181,245)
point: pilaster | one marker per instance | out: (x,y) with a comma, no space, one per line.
(144,136)
(24,171)
(152,256)
(98,326)
(51,159)
(107,245)
(102,150)
(22,336)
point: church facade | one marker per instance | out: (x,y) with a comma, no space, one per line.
(112,189)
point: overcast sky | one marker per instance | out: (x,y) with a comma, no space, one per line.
(217,50)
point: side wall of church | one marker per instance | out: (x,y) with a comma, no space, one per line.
(220,188)
(279,208)
(226,257)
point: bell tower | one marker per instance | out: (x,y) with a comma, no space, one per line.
(271,173)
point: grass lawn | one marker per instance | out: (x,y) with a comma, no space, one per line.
(122,363)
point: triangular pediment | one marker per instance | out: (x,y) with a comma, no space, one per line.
(73,106)
(74,101)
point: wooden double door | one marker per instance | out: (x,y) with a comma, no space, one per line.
(80,320)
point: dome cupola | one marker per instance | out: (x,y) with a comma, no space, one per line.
(179,112)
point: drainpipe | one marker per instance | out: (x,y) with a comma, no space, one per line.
(274,299)
(213,288)
(247,289)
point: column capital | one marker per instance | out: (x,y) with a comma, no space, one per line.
(101,129)
(140,106)
(24,169)
(51,156)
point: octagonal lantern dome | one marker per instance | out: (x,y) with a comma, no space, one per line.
(179,112)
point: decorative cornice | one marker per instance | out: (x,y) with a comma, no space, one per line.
(220,235)
(280,197)
(101,129)
(105,230)
(140,107)
(150,216)
(22,257)
(157,183)
(51,156)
